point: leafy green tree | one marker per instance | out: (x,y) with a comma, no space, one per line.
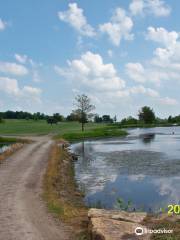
(147,115)
(107,119)
(58,117)
(84,108)
(97,119)
(129,121)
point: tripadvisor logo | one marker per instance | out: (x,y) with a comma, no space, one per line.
(140,231)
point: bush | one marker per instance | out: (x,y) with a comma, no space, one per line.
(1,120)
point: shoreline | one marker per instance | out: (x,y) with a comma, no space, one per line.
(60,191)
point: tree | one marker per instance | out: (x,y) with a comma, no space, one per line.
(51,120)
(97,119)
(147,115)
(107,119)
(58,117)
(84,108)
(129,121)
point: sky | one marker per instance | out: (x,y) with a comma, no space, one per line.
(123,54)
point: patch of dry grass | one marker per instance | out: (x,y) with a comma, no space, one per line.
(164,222)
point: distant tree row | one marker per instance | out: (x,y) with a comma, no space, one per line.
(22,115)
(146,115)
(104,119)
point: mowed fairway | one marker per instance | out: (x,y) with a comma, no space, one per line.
(40,127)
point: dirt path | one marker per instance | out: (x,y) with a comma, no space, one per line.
(23,215)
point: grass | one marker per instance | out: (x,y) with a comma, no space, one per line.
(7,140)
(167,223)
(60,190)
(70,131)
(107,131)
(31,127)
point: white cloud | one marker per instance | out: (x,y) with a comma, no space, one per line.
(153,94)
(31,93)
(142,90)
(149,73)
(136,72)
(92,72)
(165,63)
(136,7)
(169,101)
(161,35)
(21,58)
(75,17)
(10,86)
(119,27)
(157,8)
(13,68)
(2,25)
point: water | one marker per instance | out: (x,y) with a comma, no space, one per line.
(143,167)
(4,147)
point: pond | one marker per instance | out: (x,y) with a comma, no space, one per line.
(4,147)
(143,168)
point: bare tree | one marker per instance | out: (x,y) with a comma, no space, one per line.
(84,108)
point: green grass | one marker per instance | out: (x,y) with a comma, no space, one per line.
(94,133)
(31,127)
(68,130)
(7,140)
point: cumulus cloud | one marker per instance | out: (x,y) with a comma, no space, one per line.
(169,101)
(74,16)
(157,8)
(142,90)
(21,58)
(119,27)
(150,73)
(136,7)
(136,72)
(13,68)
(10,86)
(166,58)
(91,71)
(161,35)
(2,25)
(165,62)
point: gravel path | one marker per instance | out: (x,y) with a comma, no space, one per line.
(23,215)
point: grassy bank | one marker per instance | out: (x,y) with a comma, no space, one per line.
(103,132)
(60,191)
(7,140)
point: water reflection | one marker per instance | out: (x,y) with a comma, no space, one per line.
(143,167)
(147,138)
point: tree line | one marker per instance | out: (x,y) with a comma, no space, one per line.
(83,114)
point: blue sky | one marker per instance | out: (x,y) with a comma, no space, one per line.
(122,54)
